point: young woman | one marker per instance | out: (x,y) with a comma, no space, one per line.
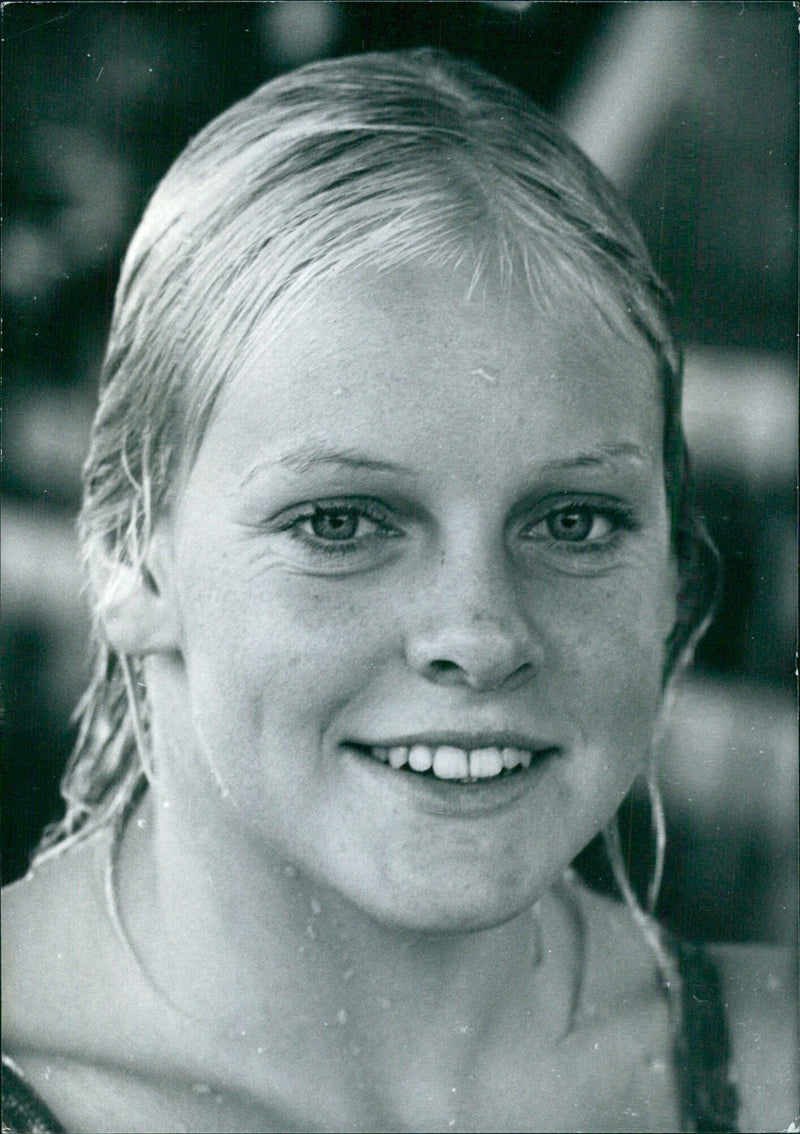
(393,561)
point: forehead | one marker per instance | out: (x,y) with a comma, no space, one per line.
(414,355)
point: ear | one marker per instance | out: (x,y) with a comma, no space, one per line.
(138,609)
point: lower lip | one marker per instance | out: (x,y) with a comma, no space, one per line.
(452,798)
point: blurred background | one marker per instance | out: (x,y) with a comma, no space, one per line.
(690,108)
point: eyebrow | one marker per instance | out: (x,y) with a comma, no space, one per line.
(306,458)
(600,456)
(309,457)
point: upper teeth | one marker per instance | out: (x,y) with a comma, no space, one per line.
(451,763)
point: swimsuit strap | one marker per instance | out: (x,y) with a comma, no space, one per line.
(23,1111)
(709,1100)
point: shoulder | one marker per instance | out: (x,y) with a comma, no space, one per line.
(75,1011)
(759,988)
(70,989)
(52,926)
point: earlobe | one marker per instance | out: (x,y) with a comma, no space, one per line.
(137,603)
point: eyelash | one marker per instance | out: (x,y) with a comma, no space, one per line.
(359,508)
(619,517)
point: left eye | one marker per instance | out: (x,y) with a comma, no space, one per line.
(573,525)
(576,525)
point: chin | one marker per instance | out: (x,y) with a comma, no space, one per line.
(448,911)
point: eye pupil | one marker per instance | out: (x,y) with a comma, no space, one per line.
(573,525)
(340,524)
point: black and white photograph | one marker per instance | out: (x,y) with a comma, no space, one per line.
(399,566)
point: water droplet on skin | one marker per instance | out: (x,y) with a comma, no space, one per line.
(486,375)
(311,931)
(166,803)
(141,823)
(316,908)
(290,871)
(201,1088)
(341,1016)
(302,950)
(355,1049)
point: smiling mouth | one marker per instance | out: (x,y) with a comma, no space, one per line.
(453,764)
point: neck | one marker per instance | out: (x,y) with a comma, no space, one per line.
(248,947)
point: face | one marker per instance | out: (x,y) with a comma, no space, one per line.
(425,539)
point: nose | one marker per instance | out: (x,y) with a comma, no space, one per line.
(474,631)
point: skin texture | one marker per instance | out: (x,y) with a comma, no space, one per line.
(455,611)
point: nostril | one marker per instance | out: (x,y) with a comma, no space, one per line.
(450,672)
(483,659)
(521,675)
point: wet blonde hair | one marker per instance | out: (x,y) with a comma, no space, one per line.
(379,160)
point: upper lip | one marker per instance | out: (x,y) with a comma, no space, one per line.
(468,741)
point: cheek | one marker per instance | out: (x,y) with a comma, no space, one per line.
(269,645)
(609,649)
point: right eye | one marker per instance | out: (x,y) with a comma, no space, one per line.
(341,524)
(339,527)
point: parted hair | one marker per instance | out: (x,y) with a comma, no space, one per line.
(373,160)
